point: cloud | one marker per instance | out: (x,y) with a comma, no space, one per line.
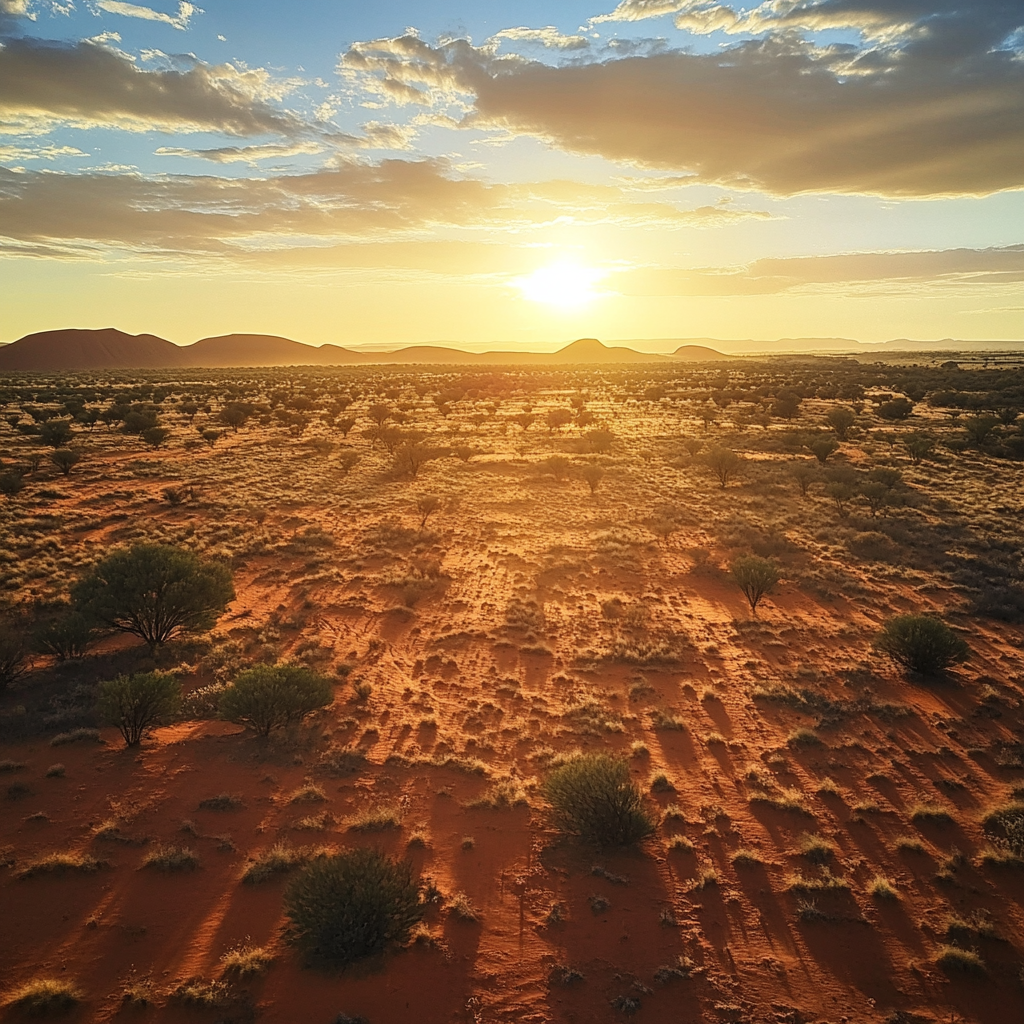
(179,21)
(934,109)
(548,37)
(638,10)
(14,153)
(236,218)
(88,85)
(961,268)
(245,154)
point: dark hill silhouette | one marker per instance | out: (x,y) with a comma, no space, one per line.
(110,349)
(697,354)
(106,349)
(263,350)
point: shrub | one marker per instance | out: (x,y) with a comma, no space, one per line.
(44,996)
(155,591)
(592,796)
(246,960)
(756,577)
(352,905)
(65,459)
(136,703)
(922,644)
(593,475)
(823,447)
(840,419)
(724,464)
(268,697)
(66,637)
(896,409)
(953,958)
(171,858)
(13,655)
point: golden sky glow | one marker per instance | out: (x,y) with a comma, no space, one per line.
(662,169)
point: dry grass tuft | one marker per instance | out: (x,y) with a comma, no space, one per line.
(60,863)
(45,997)
(954,959)
(375,819)
(279,859)
(247,960)
(171,858)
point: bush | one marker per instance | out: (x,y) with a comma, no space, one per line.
(756,577)
(922,644)
(45,996)
(352,905)
(155,591)
(138,702)
(13,655)
(592,796)
(841,419)
(67,636)
(269,697)
(724,463)
(65,459)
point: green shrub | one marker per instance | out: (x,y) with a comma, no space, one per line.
(592,796)
(66,637)
(756,577)
(155,591)
(922,644)
(269,697)
(352,905)
(138,702)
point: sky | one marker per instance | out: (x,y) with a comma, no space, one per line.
(515,174)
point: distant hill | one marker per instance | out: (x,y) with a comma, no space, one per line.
(110,349)
(697,354)
(263,350)
(106,349)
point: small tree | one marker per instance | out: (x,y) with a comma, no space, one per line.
(345,425)
(922,644)
(352,905)
(138,702)
(840,419)
(557,466)
(56,433)
(155,591)
(557,418)
(823,447)
(66,636)
(724,463)
(593,797)
(757,577)
(980,429)
(155,436)
(347,462)
(919,446)
(410,458)
(804,473)
(269,697)
(593,475)
(65,459)
(599,440)
(234,416)
(896,409)
(427,505)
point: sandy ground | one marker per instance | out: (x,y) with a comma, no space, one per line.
(506,657)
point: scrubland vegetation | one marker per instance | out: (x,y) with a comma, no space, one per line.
(685,692)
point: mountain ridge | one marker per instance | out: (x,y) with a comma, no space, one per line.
(109,348)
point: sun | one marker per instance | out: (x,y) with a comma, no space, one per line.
(561,284)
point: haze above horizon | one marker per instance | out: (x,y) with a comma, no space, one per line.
(513,174)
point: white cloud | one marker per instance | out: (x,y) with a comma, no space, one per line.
(548,37)
(179,21)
